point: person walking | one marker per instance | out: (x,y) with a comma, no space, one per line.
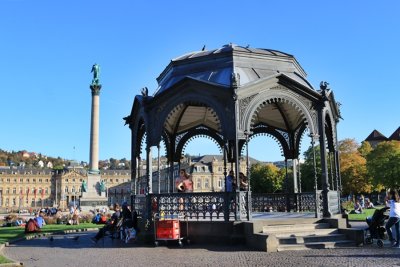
(393,202)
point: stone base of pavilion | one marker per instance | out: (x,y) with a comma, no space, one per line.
(250,232)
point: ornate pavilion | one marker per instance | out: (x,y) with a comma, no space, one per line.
(232,94)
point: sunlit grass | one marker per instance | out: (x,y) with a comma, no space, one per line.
(362,216)
(9,233)
(4,260)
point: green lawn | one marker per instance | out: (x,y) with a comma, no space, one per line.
(362,216)
(4,259)
(10,233)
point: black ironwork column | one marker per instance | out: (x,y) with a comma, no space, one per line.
(227,200)
(322,145)
(158,168)
(238,206)
(313,138)
(249,203)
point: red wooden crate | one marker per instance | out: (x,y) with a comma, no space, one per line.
(164,233)
(169,224)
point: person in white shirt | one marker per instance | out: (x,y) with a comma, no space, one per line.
(393,202)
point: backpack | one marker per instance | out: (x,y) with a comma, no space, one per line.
(31,226)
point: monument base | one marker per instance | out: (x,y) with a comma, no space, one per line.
(93,199)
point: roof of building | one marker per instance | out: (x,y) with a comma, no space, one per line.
(217,65)
(395,135)
(376,136)
(205,159)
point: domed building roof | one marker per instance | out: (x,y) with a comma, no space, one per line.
(216,66)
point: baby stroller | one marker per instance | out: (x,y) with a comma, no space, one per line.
(376,227)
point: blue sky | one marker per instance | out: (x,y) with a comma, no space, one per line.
(47,49)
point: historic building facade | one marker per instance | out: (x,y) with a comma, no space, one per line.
(37,188)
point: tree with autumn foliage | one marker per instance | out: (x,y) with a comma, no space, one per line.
(383,164)
(353,168)
(266,178)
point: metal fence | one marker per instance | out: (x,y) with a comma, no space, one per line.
(223,206)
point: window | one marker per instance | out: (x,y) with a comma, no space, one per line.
(34,180)
(8,180)
(21,180)
(66,180)
(14,202)
(73,180)
(47,180)
(14,190)
(40,180)
(27,180)
(116,180)
(8,191)
(66,189)
(220,183)
(207,183)
(220,169)
(198,183)
(73,189)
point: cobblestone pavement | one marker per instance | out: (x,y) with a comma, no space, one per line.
(65,251)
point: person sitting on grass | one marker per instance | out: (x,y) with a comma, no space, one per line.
(357,207)
(39,219)
(368,204)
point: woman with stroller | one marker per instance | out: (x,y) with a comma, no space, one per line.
(392,201)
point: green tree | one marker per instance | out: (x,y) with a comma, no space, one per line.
(307,169)
(266,178)
(383,164)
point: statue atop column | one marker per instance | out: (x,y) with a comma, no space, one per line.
(96,74)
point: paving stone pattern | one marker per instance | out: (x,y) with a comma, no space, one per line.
(65,250)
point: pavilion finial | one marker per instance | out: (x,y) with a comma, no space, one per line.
(235,80)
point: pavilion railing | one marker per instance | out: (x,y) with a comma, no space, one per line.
(220,205)
(282,202)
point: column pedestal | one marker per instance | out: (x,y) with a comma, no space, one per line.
(93,199)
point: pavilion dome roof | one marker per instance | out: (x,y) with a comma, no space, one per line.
(217,65)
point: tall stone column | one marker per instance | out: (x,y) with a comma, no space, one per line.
(94,191)
(94,129)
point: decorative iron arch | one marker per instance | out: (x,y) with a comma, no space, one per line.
(193,133)
(268,97)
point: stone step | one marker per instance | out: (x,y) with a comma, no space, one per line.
(311,239)
(315,232)
(317,245)
(294,228)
